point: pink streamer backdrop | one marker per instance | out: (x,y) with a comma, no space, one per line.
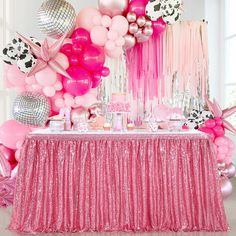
(127,182)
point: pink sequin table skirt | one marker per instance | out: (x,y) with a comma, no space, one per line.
(118,182)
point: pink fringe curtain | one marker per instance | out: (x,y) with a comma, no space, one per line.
(171,68)
(71,183)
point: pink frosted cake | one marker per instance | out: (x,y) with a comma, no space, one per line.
(118,103)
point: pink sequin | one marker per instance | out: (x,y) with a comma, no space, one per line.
(127,182)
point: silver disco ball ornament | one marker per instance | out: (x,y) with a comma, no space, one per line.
(31,109)
(56,17)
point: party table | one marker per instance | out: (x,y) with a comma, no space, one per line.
(137,181)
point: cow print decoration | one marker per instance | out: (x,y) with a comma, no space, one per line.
(19,53)
(197,118)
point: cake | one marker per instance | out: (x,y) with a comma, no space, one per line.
(118,104)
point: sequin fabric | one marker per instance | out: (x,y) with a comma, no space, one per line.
(118,182)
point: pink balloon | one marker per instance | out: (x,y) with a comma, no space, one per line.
(138,7)
(219,131)
(11,132)
(110,45)
(80,83)
(66,49)
(85,18)
(223,150)
(81,36)
(218,121)
(120,24)
(208,131)
(49,91)
(112,35)
(8,153)
(120,42)
(73,60)
(158,27)
(210,123)
(46,77)
(129,41)
(76,49)
(69,102)
(105,72)
(99,35)
(92,58)
(62,60)
(97,20)
(106,21)
(221,141)
(17,155)
(96,80)
(226,187)
(16,77)
(5,166)
(115,53)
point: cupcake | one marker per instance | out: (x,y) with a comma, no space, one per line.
(107,126)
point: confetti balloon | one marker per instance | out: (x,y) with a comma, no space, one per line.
(31,109)
(56,17)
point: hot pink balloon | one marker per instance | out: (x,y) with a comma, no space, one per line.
(138,7)
(12,132)
(158,27)
(85,18)
(77,49)
(66,49)
(120,24)
(96,81)
(92,58)
(73,60)
(105,72)
(80,83)
(210,123)
(99,35)
(218,121)
(219,131)
(81,36)
(208,131)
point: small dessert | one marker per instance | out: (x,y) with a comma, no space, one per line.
(130,126)
(107,126)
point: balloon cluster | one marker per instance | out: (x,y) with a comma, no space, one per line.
(215,127)
(109,32)
(86,64)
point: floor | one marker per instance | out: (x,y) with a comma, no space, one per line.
(230,206)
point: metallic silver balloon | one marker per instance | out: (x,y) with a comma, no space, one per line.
(131,17)
(148,31)
(138,34)
(56,18)
(141,21)
(31,109)
(226,187)
(231,170)
(133,28)
(113,7)
(148,23)
(130,41)
(143,38)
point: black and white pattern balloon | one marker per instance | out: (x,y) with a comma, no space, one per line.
(56,17)
(31,109)
(197,118)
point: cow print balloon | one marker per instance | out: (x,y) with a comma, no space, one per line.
(197,118)
(19,53)
(10,55)
(26,62)
(171,10)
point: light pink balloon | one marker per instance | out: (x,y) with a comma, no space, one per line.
(112,35)
(223,150)
(97,20)
(131,17)
(133,28)
(30,80)
(221,141)
(62,60)
(130,41)
(85,18)
(16,77)
(120,24)
(106,21)
(5,167)
(99,35)
(17,155)
(59,102)
(115,53)
(120,42)
(69,102)
(110,45)
(113,7)
(58,86)
(46,77)
(11,132)
(49,91)
(226,187)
